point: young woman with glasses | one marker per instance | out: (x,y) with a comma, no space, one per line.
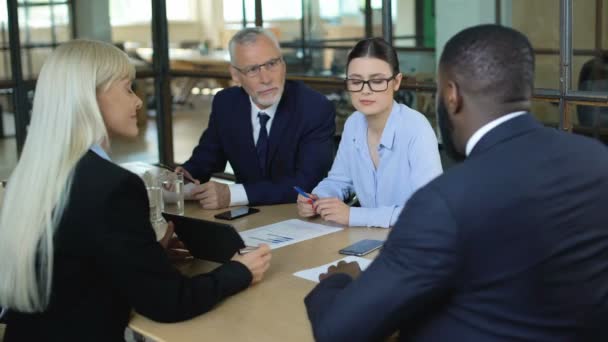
(387,151)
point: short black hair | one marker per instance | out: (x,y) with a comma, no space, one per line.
(493,61)
(375,48)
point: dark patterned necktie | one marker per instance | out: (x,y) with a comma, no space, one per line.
(262,145)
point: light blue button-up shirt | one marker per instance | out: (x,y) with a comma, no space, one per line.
(408,159)
(100,152)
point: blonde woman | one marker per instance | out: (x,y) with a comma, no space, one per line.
(77,251)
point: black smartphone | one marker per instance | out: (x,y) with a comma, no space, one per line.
(236,213)
(362,247)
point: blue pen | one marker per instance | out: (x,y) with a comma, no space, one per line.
(301,192)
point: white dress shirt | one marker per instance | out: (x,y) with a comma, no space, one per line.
(238,196)
(474,139)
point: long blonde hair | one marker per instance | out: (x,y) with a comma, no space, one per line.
(66,121)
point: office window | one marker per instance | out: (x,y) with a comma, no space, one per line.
(43,25)
(336,9)
(404,18)
(590,45)
(8,143)
(129,12)
(539,20)
(42,17)
(590,65)
(5,57)
(275,10)
(233,10)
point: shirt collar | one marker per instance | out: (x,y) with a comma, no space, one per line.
(388,134)
(270,110)
(100,152)
(474,139)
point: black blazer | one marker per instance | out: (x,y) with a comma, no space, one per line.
(511,245)
(300,144)
(107,261)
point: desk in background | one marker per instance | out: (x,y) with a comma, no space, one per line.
(272,310)
(192,60)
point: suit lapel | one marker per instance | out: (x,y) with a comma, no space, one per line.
(280,121)
(506,131)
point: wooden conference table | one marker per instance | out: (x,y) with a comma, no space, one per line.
(272,310)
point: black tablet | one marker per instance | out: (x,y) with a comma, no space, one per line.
(207,240)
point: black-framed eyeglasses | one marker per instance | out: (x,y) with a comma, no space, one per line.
(355,85)
(254,70)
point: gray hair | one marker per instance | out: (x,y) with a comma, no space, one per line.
(249,35)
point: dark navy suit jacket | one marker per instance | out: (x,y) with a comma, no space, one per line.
(510,245)
(300,146)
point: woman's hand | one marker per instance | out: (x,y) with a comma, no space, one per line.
(333,209)
(257,261)
(176,251)
(307,206)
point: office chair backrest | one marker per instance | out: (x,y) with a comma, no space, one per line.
(594,77)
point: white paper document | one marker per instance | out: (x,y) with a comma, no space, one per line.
(285,233)
(313,274)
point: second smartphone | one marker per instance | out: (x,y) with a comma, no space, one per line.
(236,213)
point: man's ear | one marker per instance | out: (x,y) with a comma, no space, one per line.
(235,75)
(453,98)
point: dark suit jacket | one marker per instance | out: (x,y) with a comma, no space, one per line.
(510,245)
(300,146)
(107,261)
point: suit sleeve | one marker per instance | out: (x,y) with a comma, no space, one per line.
(417,266)
(208,156)
(314,157)
(140,270)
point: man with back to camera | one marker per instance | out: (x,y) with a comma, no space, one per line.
(276,134)
(511,244)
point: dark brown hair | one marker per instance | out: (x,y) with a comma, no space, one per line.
(375,48)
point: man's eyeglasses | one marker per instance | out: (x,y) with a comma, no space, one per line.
(355,85)
(254,70)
